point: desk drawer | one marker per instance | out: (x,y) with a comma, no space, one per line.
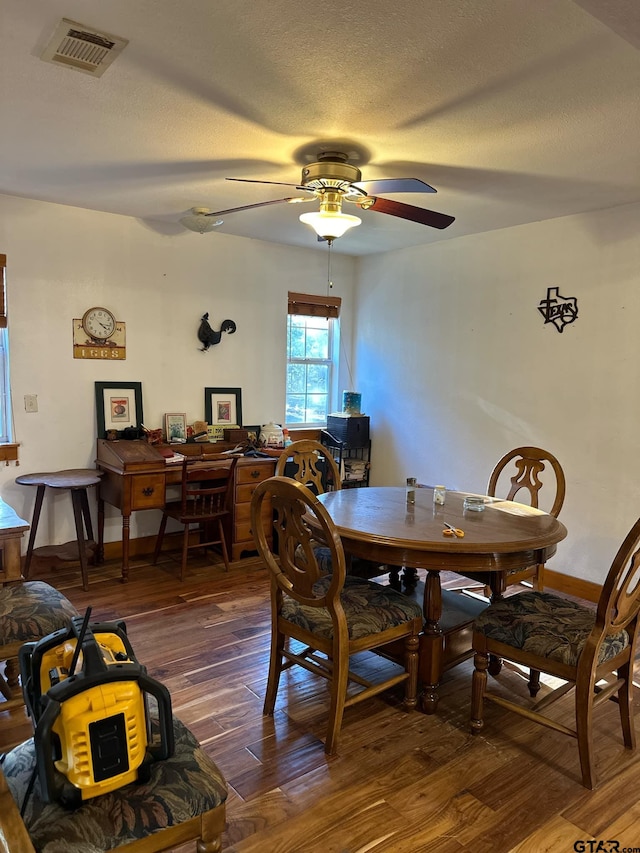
(254,473)
(242,531)
(245,493)
(243,512)
(147,491)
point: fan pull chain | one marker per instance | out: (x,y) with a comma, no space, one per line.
(329,281)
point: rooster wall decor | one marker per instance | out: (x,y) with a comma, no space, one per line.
(208,336)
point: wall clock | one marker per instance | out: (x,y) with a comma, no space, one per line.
(99,323)
(97,334)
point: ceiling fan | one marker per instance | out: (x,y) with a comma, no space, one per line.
(333,180)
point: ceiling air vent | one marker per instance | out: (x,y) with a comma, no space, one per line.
(82,48)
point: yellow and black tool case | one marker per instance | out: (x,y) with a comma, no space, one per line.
(89,699)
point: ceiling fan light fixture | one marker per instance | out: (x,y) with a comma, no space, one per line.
(330,224)
(200,221)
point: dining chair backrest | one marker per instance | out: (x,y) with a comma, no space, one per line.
(527,464)
(313,466)
(619,602)
(206,491)
(296,568)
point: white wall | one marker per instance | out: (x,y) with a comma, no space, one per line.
(456,367)
(62,260)
(453,359)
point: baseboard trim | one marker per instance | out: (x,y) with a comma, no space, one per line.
(578,587)
(144,545)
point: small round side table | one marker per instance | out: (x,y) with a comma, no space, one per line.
(77,481)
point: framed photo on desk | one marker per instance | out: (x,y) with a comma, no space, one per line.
(223,406)
(118,406)
(175,426)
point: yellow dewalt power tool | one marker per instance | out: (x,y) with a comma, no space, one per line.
(89,700)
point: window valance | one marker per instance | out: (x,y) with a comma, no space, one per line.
(314,306)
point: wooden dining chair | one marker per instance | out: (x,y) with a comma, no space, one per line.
(334,616)
(527,469)
(520,476)
(577,644)
(311,464)
(206,496)
(183,800)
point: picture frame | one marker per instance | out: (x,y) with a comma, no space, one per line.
(223,406)
(118,406)
(253,433)
(175,426)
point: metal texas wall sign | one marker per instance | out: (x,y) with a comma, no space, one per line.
(557,309)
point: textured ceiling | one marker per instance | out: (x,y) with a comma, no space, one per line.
(515,111)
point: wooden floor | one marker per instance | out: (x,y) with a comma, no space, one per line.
(403,783)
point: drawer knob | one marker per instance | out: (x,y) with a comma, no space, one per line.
(255,473)
(148,491)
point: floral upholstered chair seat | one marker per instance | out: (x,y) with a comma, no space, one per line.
(546,625)
(28,612)
(369,608)
(31,610)
(184,787)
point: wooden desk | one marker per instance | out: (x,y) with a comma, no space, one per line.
(377,524)
(135,477)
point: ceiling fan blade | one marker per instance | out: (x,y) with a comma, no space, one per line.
(254,181)
(408,211)
(294,200)
(394,185)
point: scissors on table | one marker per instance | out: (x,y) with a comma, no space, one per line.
(450,530)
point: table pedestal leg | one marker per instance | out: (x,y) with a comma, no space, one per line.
(431,641)
(34,526)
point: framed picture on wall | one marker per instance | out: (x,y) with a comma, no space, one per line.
(223,406)
(175,426)
(118,406)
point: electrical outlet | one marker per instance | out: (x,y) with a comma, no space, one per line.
(30,402)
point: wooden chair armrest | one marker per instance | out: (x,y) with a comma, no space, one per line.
(14,837)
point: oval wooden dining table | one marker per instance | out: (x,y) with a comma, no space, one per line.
(377,524)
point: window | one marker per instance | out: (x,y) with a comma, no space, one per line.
(5,396)
(312,338)
(8,451)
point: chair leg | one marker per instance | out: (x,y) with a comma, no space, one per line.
(495,665)
(411,665)
(275,668)
(223,545)
(534,682)
(478,687)
(185,551)
(212,827)
(625,701)
(10,682)
(159,539)
(339,682)
(584,719)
